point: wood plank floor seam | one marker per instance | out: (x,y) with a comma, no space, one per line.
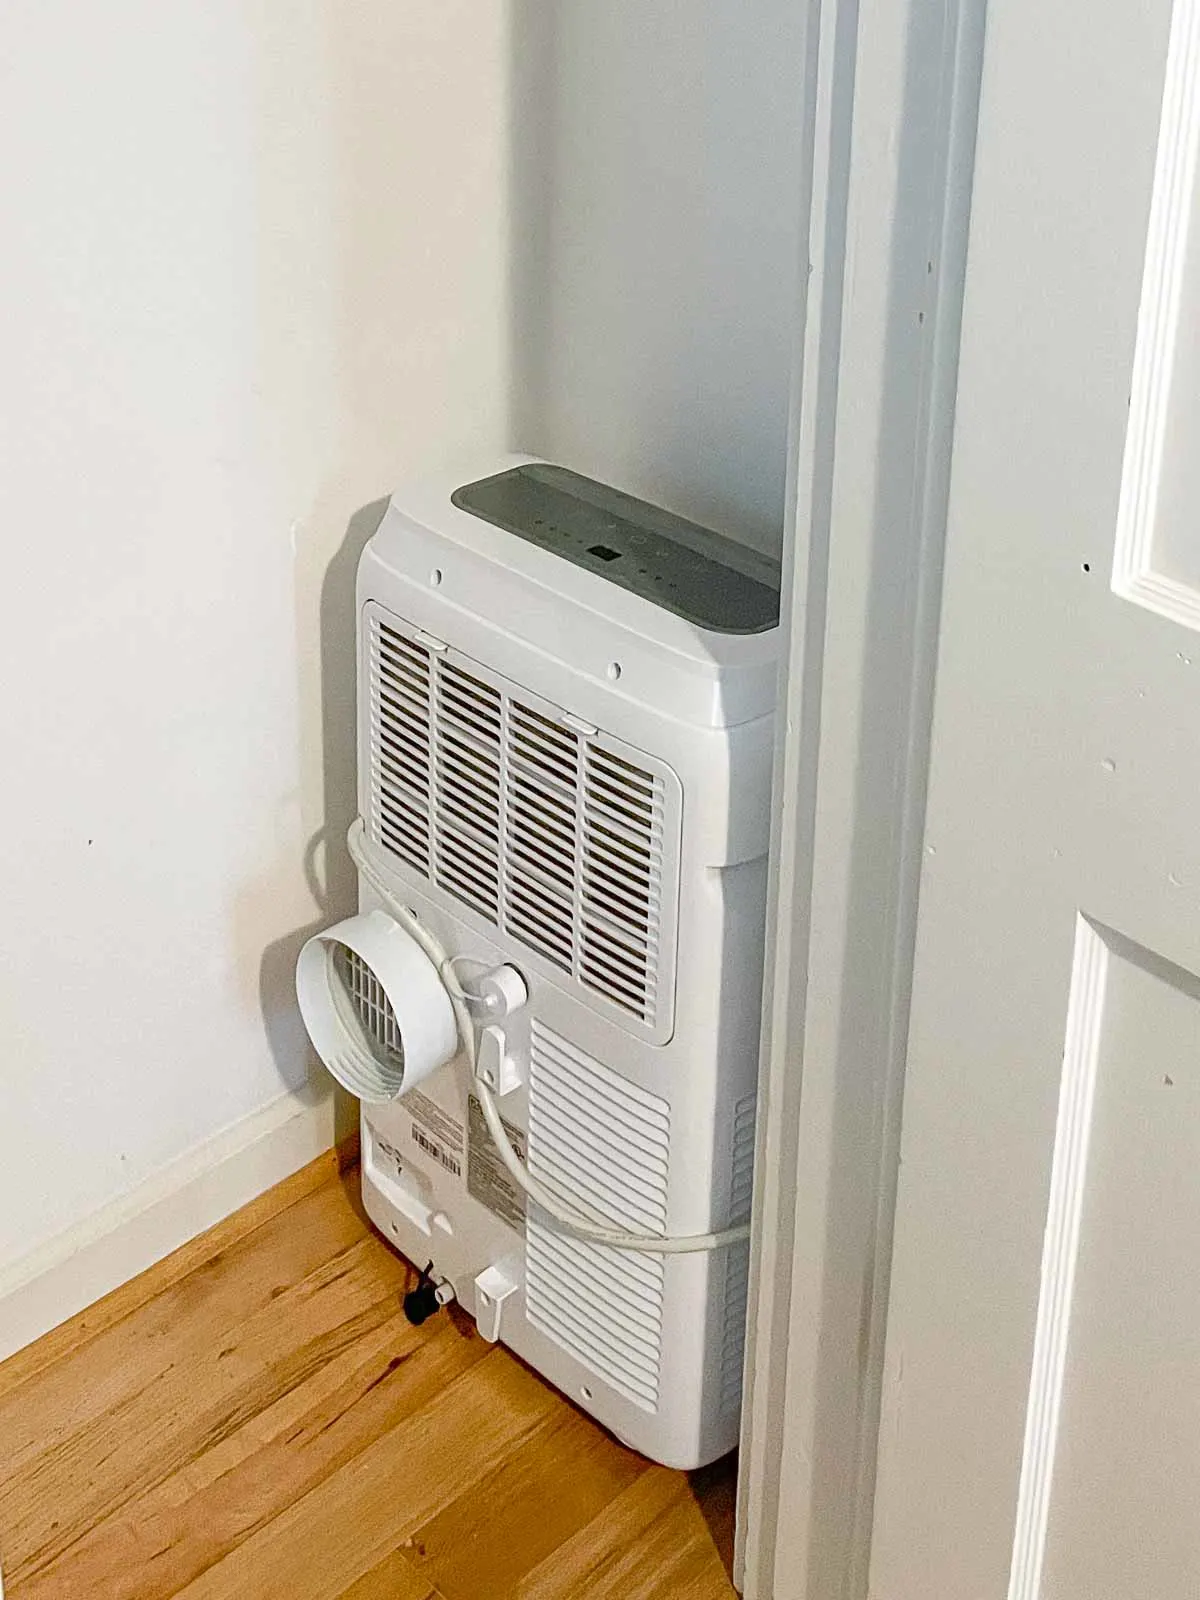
(254,1419)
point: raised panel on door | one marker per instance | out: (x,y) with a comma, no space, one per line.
(1111,1475)
(1157,559)
(1040,1411)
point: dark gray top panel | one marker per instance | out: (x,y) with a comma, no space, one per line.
(699,575)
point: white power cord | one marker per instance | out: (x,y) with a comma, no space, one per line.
(562,1210)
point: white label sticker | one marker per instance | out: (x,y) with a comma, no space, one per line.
(435,1133)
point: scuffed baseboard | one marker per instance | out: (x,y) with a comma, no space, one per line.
(174,1204)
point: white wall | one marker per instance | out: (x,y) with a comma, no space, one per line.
(255,267)
(657,223)
(251,273)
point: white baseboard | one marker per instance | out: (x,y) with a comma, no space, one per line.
(171,1206)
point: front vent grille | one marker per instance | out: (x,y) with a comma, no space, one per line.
(563,841)
(400,752)
(737,1259)
(596,1135)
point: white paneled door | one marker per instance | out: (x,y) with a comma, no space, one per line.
(1041,1426)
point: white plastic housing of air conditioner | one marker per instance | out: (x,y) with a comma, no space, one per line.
(650,1118)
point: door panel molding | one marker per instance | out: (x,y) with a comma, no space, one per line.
(1137,573)
(1068,1180)
(1115,1105)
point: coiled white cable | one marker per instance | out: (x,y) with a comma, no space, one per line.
(563,1211)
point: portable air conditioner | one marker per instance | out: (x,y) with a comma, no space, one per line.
(566,700)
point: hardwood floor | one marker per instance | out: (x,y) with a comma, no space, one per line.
(254,1419)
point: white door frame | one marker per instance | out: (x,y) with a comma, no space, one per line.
(893,91)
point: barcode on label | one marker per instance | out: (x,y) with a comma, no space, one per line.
(432,1148)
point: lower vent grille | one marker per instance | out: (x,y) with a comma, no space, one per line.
(733,1325)
(596,1135)
(737,1263)
(742,1159)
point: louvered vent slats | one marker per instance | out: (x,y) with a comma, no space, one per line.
(372,1005)
(737,1264)
(742,1180)
(733,1329)
(557,839)
(598,1284)
(466,732)
(596,1135)
(400,754)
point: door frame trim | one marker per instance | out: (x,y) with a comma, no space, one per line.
(890,145)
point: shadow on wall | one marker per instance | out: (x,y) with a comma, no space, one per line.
(533,51)
(383,330)
(331,876)
(655,190)
(328,871)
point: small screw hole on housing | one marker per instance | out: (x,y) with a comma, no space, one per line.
(1087,566)
(614,670)
(435,577)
